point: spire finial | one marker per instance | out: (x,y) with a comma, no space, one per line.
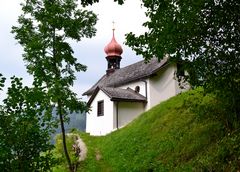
(113,27)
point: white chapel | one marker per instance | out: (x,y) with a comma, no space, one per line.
(122,94)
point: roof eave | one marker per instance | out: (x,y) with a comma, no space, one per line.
(93,96)
(127,100)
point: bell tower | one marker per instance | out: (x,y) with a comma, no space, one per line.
(113,51)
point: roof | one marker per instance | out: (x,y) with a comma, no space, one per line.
(134,72)
(118,94)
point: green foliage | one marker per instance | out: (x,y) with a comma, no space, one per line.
(2,80)
(44,31)
(229,152)
(90,2)
(173,136)
(25,128)
(204,35)
(59,153)
(210,106)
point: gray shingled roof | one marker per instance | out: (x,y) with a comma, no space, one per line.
(123,94)
(128,74)
(118,94)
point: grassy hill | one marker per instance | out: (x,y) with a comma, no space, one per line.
(185,133)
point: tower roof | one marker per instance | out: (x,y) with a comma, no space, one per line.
(113,48)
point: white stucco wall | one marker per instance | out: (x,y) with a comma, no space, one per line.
(133,85)
(127,111)
(100,125)
(162,86)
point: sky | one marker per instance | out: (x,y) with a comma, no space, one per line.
(128,18)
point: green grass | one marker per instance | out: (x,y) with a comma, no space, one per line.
(184,133)
(58,152)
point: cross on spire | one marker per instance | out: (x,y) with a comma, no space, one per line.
(113,26)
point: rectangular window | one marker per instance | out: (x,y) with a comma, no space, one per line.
(100,108)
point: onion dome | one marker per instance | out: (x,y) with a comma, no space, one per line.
(113,48)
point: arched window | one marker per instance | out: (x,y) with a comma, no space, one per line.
(137,89)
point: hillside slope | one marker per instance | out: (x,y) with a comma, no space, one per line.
(181,134)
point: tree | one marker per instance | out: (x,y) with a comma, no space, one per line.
(90,2)
(25,127)
(205,35)
(2,80)
(44,30)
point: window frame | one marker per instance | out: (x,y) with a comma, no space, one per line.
(100,108)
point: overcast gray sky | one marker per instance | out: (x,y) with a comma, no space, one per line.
(128,18)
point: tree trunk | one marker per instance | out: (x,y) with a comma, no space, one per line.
(70,166)
(59,102)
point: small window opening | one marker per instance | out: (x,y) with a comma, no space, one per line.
(137,89)
(100,108)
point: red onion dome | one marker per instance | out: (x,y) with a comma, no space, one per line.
(113,48)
